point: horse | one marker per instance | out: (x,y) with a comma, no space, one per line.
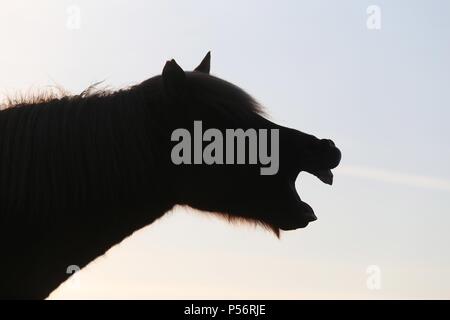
(80,173)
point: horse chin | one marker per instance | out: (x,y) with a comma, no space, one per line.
(297,223)
(299,214)
(299,217)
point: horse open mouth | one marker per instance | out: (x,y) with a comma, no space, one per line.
(300,214)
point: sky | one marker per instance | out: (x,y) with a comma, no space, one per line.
(317,66)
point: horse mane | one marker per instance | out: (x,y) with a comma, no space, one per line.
(204,87)
(219,93)
(49,94)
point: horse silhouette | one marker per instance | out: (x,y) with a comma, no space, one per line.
(78,174)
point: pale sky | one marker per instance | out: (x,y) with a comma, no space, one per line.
(381,95)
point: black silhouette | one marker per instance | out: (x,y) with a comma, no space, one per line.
(79,174)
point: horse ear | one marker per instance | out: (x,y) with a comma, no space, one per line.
(173,77)
(205,65)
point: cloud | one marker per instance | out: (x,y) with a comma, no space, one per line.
(395,177)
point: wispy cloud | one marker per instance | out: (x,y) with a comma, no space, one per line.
(388,176)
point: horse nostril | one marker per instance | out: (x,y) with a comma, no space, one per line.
(333,154)
(328,143)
